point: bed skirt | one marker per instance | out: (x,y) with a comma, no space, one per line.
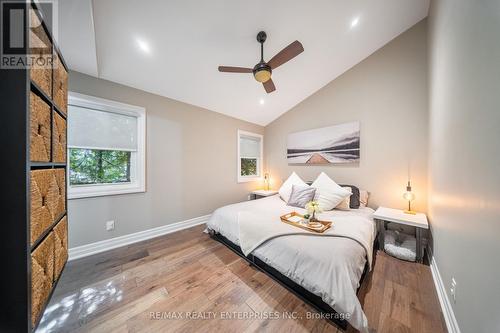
(313,300)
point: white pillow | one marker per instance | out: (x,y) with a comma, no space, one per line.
(328,193)
(346,203)
(286,188)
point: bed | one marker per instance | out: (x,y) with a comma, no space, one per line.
(324,271)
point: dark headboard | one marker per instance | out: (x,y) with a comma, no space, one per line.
(354,197)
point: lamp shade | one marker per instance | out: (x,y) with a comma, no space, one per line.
(409,196)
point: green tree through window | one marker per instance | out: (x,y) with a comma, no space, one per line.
(248,166)
(93,166)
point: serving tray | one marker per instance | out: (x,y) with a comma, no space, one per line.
(316,226)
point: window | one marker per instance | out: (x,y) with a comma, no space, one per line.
(106,147)
(249,156)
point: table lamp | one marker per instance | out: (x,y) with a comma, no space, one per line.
(409,196)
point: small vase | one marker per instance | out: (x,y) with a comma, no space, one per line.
(313,217)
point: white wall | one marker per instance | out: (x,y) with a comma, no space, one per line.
(464,155)
(387,94)
(191,166)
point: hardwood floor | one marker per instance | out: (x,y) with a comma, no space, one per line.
(154,285)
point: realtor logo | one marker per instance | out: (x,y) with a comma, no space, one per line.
(24,41)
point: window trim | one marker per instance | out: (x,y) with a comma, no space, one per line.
(98,190)
(260,161)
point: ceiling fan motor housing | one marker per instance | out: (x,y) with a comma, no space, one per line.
(262,72)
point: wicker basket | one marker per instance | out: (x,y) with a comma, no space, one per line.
(40,129)
(60,203)
(40,46)
(60,85)
(42,275)
(59,138)
(60,246)
(44,197)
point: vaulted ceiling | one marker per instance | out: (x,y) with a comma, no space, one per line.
(173,48)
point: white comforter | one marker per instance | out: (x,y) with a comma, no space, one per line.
(329,267)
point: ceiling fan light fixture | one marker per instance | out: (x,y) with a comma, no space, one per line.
(263,70)
(262,75)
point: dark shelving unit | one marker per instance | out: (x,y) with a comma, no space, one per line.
(17,246)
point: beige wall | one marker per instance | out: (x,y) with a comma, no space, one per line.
(464,155)
(191,166)
(387,93)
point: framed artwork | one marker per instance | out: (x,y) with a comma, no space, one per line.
(336,144)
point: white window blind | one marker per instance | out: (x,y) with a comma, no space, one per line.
(249,146)
(249,156)
(93,129)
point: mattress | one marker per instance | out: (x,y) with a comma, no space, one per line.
(328,267)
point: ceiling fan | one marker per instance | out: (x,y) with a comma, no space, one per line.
(263,70)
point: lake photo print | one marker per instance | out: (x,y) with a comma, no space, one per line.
(336,144)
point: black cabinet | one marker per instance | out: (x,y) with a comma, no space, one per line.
(34,223)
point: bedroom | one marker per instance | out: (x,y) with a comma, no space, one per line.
(343,179)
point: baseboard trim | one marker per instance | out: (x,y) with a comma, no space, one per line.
(112,243)
(444,301)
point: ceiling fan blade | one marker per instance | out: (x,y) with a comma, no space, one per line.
(288,53)
(230,69)
(269,86)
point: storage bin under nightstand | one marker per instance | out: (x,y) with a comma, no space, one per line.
(383,215)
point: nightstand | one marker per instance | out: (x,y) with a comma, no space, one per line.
(383,215)
(258,194)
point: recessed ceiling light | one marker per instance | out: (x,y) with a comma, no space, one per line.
(143,46)
(261,101)
(354,22)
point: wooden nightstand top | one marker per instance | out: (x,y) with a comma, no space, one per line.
(399,216)
(264,193)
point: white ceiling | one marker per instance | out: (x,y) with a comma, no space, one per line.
(173,48)
(76,35)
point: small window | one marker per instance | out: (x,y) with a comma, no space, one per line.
(249,156)
(106,147)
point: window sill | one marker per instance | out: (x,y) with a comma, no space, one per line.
(80,192)
(248,179)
